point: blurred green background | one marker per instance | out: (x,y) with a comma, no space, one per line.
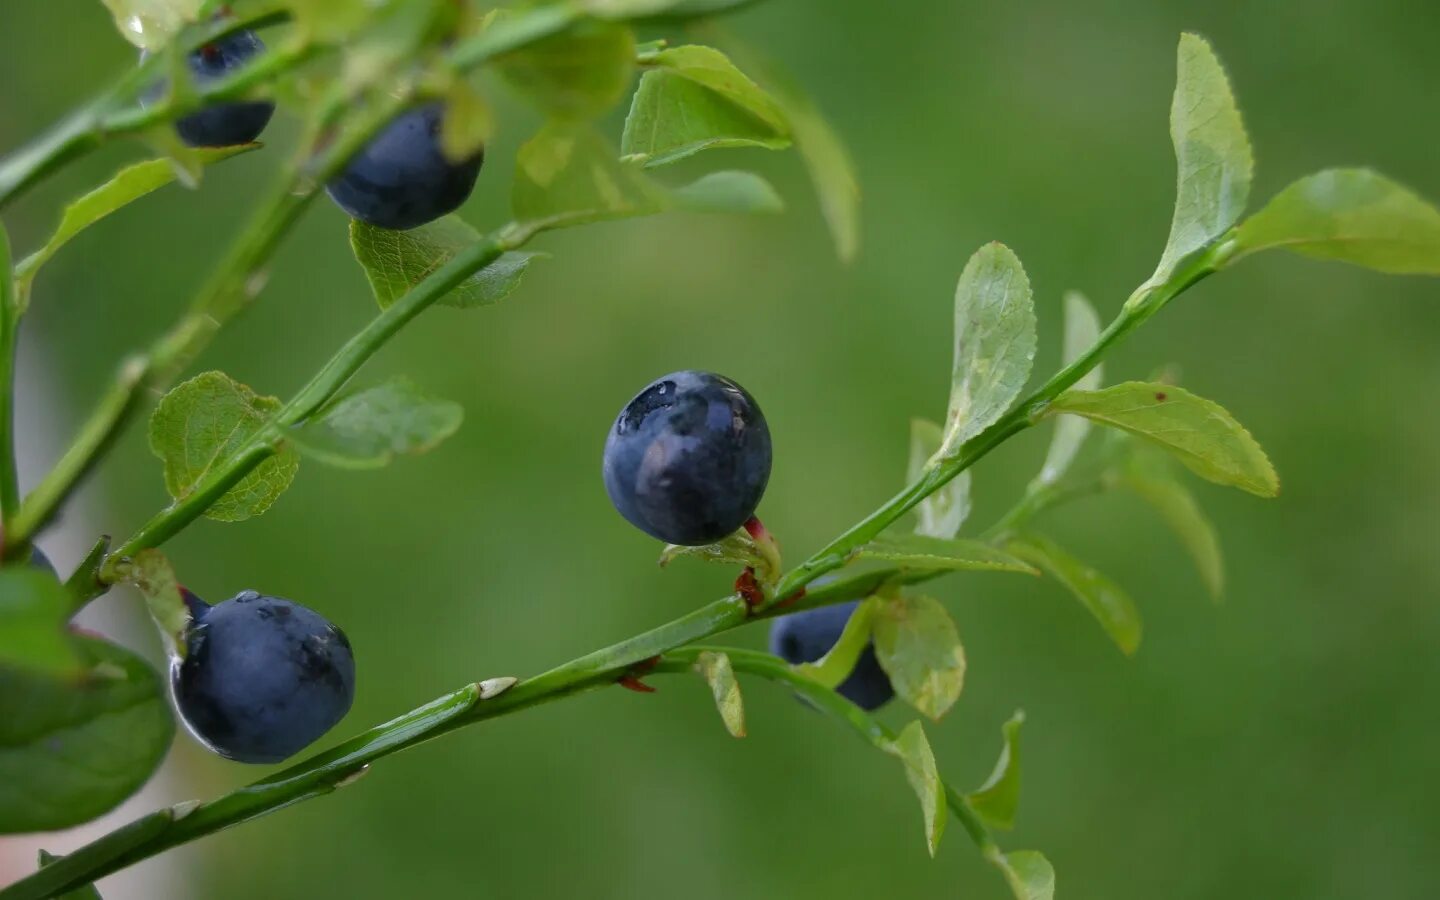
(1282,744)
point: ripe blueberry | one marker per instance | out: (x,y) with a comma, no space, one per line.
(402,179)
(687,460)
(262,676)
(226,123)
(806,636)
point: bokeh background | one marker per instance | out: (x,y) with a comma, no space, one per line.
(1283,744)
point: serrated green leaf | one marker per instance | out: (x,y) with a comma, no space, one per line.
(914,751)
(716,670)
(916,551)
(396,261)
(1212,152)
(741,193)
(370,428)
(1105,600)
(204,421)
(918,647)
(566,175)
(578,74)
(88,892)
(941,514)
(1082,329)
(839,661)
(33,612)
(1349,215)
(126,186)
(1198,432)
(1178,507)
(151,573)
(695,99)
(997,800)
(149,24)
(994,343)
(73,750)
(1029,874)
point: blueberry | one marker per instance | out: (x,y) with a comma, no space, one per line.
(806,636)
(687,460)
(402,179)
(262,676)
(226,123)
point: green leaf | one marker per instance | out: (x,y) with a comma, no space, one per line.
(914,751)
(128,185)
(149,24)
(1178,507)
(994,343)
(1105,600)
(737,549)
(1082,330)
(567,175)
(1350,215)
(71,751)
(1213,153)
(33,612)
(997,800)
(88,892)
(468,122)
(397,261)
(663,9)
(918,647)
(151,573)
(203,422)
(695,99)
(942,513)
(1029,874)
(716,670)
(370,428)
(578,74)
(839,661)
(916,551)
(1199,433)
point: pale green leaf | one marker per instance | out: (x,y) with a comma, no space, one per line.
(151,573)
(1199,433)
(577,74)
(916,551)
(128,185)
(1349,215)
(33,612)
(88,892)
(942,513)
(737,549)
(1178,507)
(716,670)
(997,800)
(1029,874)
(918,647)
(468,122)
(662,9)
(994,343)
(370,428)
(914,751)
(839,661)
(1105,600)
(567,175)
(397,261)
(742,193)
(149,24)
(71,750)
(205,421)
(1212,152)
(692,99)
(1082,329)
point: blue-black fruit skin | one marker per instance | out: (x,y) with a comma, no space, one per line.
(401,179)
(688,458)
(806,636)
(224,124)
(263,677)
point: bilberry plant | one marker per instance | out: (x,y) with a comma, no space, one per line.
(86,722)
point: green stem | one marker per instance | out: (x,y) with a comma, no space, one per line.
(9,328)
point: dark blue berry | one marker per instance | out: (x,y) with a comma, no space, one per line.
(688,459)
(226,123)
(806,636)
(402,179)
(262,676)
